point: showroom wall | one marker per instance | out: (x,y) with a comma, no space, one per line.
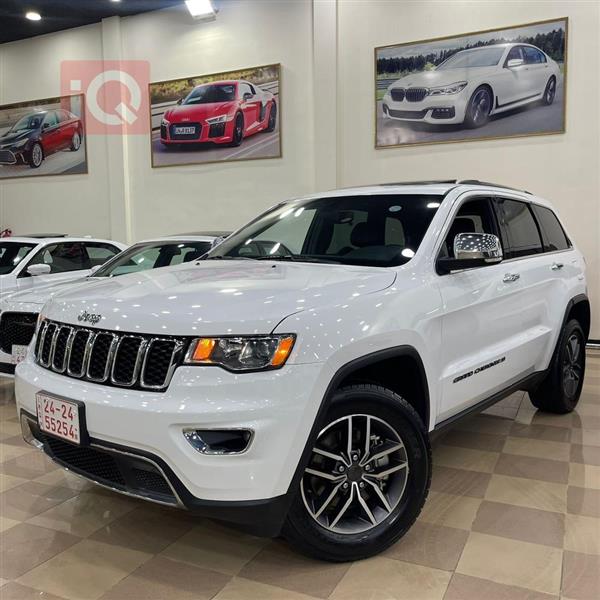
(326,52)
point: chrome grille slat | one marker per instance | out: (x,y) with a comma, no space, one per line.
(138,361)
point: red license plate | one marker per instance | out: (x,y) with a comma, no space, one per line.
(59,418)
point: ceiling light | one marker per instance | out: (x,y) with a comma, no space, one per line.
(33,16)
(201,9)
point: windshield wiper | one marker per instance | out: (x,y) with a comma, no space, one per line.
(299,258)
(221,257)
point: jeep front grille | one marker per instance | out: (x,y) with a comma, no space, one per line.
(112,358)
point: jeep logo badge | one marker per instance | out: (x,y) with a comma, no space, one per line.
(86,317)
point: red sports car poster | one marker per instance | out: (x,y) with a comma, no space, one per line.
(43,137)
(219,117)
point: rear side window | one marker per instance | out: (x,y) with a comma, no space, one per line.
(553,235)
(100,253)
(521,233)
(533,56)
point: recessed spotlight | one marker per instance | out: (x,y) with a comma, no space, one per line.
(33,16)
(201,9)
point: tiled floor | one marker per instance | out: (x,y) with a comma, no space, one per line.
(513,514)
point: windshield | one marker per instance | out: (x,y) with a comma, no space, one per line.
(376,230)
(28,122)
(478,57)
(206,94)
(11,254)
(143,257)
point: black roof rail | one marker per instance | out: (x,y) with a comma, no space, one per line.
(428,182)
(477,182)
(42,235)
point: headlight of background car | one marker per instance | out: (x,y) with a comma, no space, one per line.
(244,353)
(165,122)
(18,144)
(219,119)
(453,88)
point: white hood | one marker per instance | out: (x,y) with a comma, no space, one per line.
(34,298)
(212,297)
(443,77)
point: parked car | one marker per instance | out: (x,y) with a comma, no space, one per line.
(296,392)
(473,85)
(19,311)
(222,112)
(38,134)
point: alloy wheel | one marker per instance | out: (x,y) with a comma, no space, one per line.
(357,474)
(36,155)
(550,91)
(480,106)
(76,142)
(572,365)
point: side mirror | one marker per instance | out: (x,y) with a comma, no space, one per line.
(45,125)
(36,270)
(248,96)
(514,62)
(472,250)
(180,101)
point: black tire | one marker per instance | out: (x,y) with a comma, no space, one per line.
(313,538)
(75,142)
(479,107)
(560,390)
(238,131)
(36,156)
(549,92)
(272,118)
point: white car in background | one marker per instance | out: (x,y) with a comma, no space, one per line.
(29,262)
(474,84)
(19,311)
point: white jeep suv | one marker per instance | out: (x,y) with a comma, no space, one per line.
(291,380)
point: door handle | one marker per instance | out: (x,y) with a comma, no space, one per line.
(557,266)
(510,277)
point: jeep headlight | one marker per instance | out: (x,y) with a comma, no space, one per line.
(453,88)
(243,353)
(219,119)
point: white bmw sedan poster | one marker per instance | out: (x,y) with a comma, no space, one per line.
(491,84)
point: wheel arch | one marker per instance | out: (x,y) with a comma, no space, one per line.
(579,308)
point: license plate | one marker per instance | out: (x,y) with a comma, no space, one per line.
(185,130)
(59,418)
(18,354)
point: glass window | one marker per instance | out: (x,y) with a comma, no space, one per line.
(519,227)
(533,56)
(515,53)
(63,257)
(245,89)
(143,257)
(32,121)
(11,254)
(206,94)
(50,119)
(477,57)
(553,234)
(100,253)
(349,229)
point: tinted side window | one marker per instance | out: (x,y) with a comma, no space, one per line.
(515,54)
(100,253)
(245,89)
(51,119)
(533,56)
(520,229)
(62,258)
(553,234)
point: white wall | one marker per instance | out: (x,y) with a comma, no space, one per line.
(326,52)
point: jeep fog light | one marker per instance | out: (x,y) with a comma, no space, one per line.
(219,441)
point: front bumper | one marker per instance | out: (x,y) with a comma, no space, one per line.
(437,110)
(278,406)
(218,133)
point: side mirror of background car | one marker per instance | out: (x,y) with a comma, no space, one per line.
(514,62)
(36,270)
(179,101)
(94,269)
(247,96)
(472,250)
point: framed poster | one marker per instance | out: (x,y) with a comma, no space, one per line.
(496,83)
(227,116)
(43,137)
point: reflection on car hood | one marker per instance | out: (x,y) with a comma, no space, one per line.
(214,298)
(443,77)
(198,111)
(11,138)
(35,297)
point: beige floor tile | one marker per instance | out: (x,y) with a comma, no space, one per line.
(591,422)
(164,579)
(387,579)
(450,510)
(483,423)
(278,565)
(537,448)
(587,437)
(244,589)
(581,576)
(587,476)
(28,466)
(10,428)
(214,547)
(8,451)
(9,481)
(85,513)
(7,523)
(465,458)
(459,481)
(530,493)
(582,534)
(63,478)
(30,499)
(463,587)
(475,440)
(551,420)
(583,501)
(529,467)
(25,546)
(537,431)
(430,546)
(85,571)
(16,591)
(585,454)
(520,523)
(587,408)
(512,562)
